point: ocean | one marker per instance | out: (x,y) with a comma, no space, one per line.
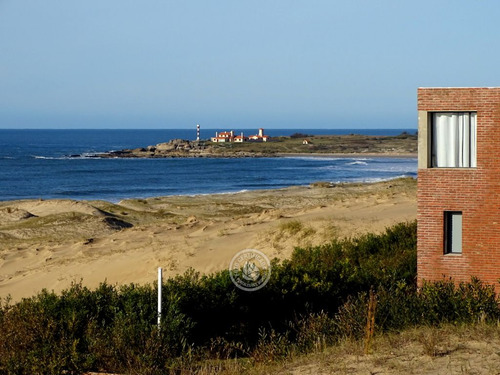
(37,164)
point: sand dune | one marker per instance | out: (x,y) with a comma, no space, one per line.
(49,244)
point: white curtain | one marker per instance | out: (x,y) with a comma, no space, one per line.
(454,139)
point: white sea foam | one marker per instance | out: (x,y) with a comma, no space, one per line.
(369,180)
(120,200)
(89,154)
(45,157)
(85,155)
(326,158)
(221,193)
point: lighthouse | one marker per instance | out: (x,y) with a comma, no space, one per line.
(197,132)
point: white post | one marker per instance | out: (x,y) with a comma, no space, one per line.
(160,280)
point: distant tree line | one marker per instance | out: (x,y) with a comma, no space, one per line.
(301,135)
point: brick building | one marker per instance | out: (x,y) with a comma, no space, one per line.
(459,184)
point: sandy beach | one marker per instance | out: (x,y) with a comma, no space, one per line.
(52,243)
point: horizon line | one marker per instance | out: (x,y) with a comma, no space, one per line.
(194,128)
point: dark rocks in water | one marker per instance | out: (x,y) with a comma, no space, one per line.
(117,154)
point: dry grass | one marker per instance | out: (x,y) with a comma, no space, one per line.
(424,350)
(353,143)
(419,351)
(453,350)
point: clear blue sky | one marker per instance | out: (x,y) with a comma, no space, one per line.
(237,64)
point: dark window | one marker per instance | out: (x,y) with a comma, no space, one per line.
(453,232)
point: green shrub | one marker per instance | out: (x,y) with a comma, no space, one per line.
(402,306)
(313,299)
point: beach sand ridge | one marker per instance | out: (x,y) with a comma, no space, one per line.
(50,244)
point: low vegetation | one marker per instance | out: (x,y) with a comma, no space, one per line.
(321,296)
(352,143)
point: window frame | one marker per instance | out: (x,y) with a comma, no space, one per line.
(432,139)
(448,237)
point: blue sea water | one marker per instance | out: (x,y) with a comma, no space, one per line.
(36,164)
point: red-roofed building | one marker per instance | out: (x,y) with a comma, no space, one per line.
(223,137)
(240,138)
(259,137)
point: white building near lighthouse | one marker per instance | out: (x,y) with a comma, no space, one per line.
(259,137)
(222,137)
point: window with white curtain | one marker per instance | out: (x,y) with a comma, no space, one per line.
(453,140)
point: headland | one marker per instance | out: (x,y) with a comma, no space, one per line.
(404,144)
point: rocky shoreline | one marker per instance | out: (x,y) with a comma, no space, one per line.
(334,145)
(175,148)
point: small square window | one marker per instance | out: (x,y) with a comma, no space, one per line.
(453,232)
(453,140)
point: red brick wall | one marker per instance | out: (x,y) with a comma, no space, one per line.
(474,191)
